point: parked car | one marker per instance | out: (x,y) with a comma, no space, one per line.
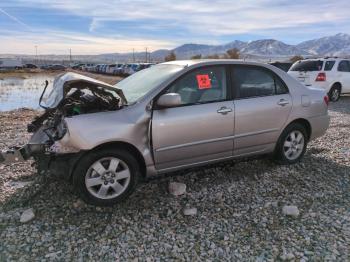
(110,69)
(88,67)
(330,74)
(116,69)
(131,69)
(10,63)
(57,67)
(78,66)
(120,69)
(170,117)
(30,66)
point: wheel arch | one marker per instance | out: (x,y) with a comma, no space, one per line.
(337,84)
(116,145)
(305,123)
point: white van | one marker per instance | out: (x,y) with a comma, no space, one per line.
(331,74)
(10,63)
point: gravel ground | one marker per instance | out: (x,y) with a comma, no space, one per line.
(239,209)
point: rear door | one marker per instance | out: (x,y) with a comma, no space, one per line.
(344,75)
(199,130)
(262,106)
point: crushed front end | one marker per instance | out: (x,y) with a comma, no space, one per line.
(50,146)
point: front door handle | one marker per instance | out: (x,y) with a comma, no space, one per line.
(283,102)
(224,110)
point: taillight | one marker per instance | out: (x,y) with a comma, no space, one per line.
(321,77)
(326,100)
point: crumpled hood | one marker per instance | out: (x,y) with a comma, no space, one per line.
(63,81)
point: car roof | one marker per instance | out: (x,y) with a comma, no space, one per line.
(203,62)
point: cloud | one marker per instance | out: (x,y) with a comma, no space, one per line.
(121,25)
(15,19)
(222,17)
(59,42)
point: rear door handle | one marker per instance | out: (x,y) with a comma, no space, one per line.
(224,110)
(283,102)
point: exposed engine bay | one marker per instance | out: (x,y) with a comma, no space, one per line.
(71,95)
(80,96)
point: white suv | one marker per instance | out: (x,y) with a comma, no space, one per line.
(330,74)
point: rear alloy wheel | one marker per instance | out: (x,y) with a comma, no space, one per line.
(291,145)
(334,93)
(106,177)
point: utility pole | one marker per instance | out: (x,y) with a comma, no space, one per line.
(146,54)
(133,55)
(36,54)
(70,55)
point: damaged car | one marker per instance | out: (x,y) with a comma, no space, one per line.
(176,115)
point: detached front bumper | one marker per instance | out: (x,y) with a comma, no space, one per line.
(54,158)
(57,164)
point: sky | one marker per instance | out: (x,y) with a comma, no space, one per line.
(109,26)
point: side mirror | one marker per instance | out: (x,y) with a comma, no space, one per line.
(169,100)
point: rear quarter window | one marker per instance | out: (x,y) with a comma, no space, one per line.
(307,65)
(329,65)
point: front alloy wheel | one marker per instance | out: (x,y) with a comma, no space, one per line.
(106,177)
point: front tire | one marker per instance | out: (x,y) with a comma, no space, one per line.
(291,145)
(334,93)
(106,177)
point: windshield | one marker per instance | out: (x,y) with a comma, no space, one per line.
(307,65)
(139,84)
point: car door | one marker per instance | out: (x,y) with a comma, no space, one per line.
(344,75)
(262,106)
(199,130)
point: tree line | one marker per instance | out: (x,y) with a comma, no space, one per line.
(232,53)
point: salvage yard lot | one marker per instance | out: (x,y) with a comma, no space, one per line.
(239,208)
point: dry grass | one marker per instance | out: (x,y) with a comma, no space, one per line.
(27,73)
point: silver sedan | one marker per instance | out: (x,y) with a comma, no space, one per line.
(174,116)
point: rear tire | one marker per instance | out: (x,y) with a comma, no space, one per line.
(106,177)
(334,93)
(291,145)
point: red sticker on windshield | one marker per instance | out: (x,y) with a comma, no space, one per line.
(203,81)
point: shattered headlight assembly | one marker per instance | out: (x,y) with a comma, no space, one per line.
(61,129)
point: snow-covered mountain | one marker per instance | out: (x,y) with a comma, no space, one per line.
(271,47)
(338,44)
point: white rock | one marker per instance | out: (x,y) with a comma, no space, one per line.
(17,184)
(177,189)
(78,204)
(27,215)
(287,257)
(190,211)
(290,211)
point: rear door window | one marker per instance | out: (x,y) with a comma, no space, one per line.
(255,81)
(344,66)
(329,65)
(308,65)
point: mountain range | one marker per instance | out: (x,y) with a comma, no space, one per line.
(265,49)
(336,45)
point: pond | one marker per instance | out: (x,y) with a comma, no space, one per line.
(18,92)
